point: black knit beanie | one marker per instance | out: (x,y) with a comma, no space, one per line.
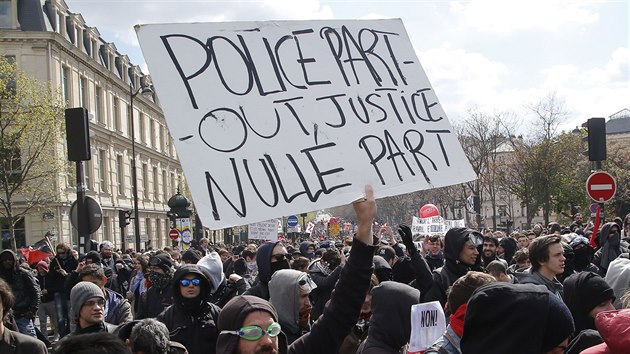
(559,324)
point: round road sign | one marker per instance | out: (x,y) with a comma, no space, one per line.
(292,221)
(173,234)
(601,186)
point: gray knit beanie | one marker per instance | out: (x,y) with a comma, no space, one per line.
(80,293)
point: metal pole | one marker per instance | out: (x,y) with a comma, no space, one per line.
(82,220)
(134,179)
(598,167)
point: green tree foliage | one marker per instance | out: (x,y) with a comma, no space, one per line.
(31,128)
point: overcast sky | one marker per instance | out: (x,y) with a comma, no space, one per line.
(492,55)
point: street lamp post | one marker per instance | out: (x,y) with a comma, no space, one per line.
(134,179)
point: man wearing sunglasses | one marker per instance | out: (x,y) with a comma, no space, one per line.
(249,324)
(191,320)
(270,258)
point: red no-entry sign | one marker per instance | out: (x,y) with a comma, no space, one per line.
(601,186)
(173,234)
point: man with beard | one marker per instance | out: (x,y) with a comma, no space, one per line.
(249,324)
(25,289)
(160,295)
(489,254)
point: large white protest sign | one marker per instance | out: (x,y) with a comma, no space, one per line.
(427,325)
(264,230)
(284,117)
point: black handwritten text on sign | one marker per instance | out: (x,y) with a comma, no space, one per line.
(294,116)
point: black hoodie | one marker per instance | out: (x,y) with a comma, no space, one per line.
(390,324)
(192,322)
(265,270)
(453,269)
(23,284)
(523,318)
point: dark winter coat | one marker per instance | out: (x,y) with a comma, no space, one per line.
(24,286)
(192,322)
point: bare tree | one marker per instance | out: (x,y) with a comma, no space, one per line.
(31,127)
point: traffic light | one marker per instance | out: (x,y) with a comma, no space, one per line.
(596,139)
(123,218)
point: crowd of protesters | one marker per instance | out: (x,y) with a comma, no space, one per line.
(553,289)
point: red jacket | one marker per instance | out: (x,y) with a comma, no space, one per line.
(614,327)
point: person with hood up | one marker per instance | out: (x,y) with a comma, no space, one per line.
(160,295)
(390,324)
(586,294)
(289,291)
(618,277)
(191,319)
(611,247)
(507,246)
(270,257)
(507,309)
(249,324)
(25,290)
(325,273)
(582,254)
(614,327)
(221,288)
(307,249)
(461,254)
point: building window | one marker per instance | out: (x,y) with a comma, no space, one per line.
(88,175)
(161,137)
(94,49)
(164,186)
(156,189)
(145,180)
(173,184)
(147,228)
(102,170)
(20,233)
(83,92)
(78,39)
(6,14)
(159,232)
(141,127)
(61,23)
(107,233)
(12,84)
(116,110)
(120,171)
(98,102)
(152,133)
(65,83)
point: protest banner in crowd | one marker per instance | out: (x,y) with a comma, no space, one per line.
(284,117)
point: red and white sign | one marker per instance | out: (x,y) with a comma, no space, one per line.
(601,186)
(173,234)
